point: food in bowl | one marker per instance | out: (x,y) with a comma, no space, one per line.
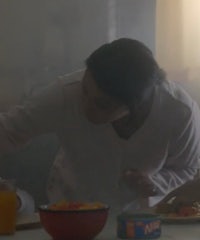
(65,205)
(74,220)
(180,208)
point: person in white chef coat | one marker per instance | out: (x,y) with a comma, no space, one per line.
(126,132)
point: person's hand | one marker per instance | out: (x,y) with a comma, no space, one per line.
(188,193)
(139,182)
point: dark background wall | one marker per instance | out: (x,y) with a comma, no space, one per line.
(41,39)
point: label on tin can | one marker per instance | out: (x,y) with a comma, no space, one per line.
(130,229)
(138,227)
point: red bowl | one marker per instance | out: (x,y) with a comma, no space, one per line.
(73,224)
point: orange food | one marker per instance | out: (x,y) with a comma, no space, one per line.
(186,211)
(65,205)
(182,209)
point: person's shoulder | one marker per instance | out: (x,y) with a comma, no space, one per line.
(176,103)
(73,78)
(70,87)
(70,83)
(63,87)
(175,94)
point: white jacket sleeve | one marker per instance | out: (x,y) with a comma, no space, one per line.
(182,162)
(41,114)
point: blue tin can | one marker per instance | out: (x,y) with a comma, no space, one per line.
(138,226)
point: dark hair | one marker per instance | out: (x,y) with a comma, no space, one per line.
(123,69)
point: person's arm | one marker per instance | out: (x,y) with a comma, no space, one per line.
(40,114)
(182,162)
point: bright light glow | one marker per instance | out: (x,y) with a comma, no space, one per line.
(178,34)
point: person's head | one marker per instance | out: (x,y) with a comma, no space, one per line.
(119,75)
